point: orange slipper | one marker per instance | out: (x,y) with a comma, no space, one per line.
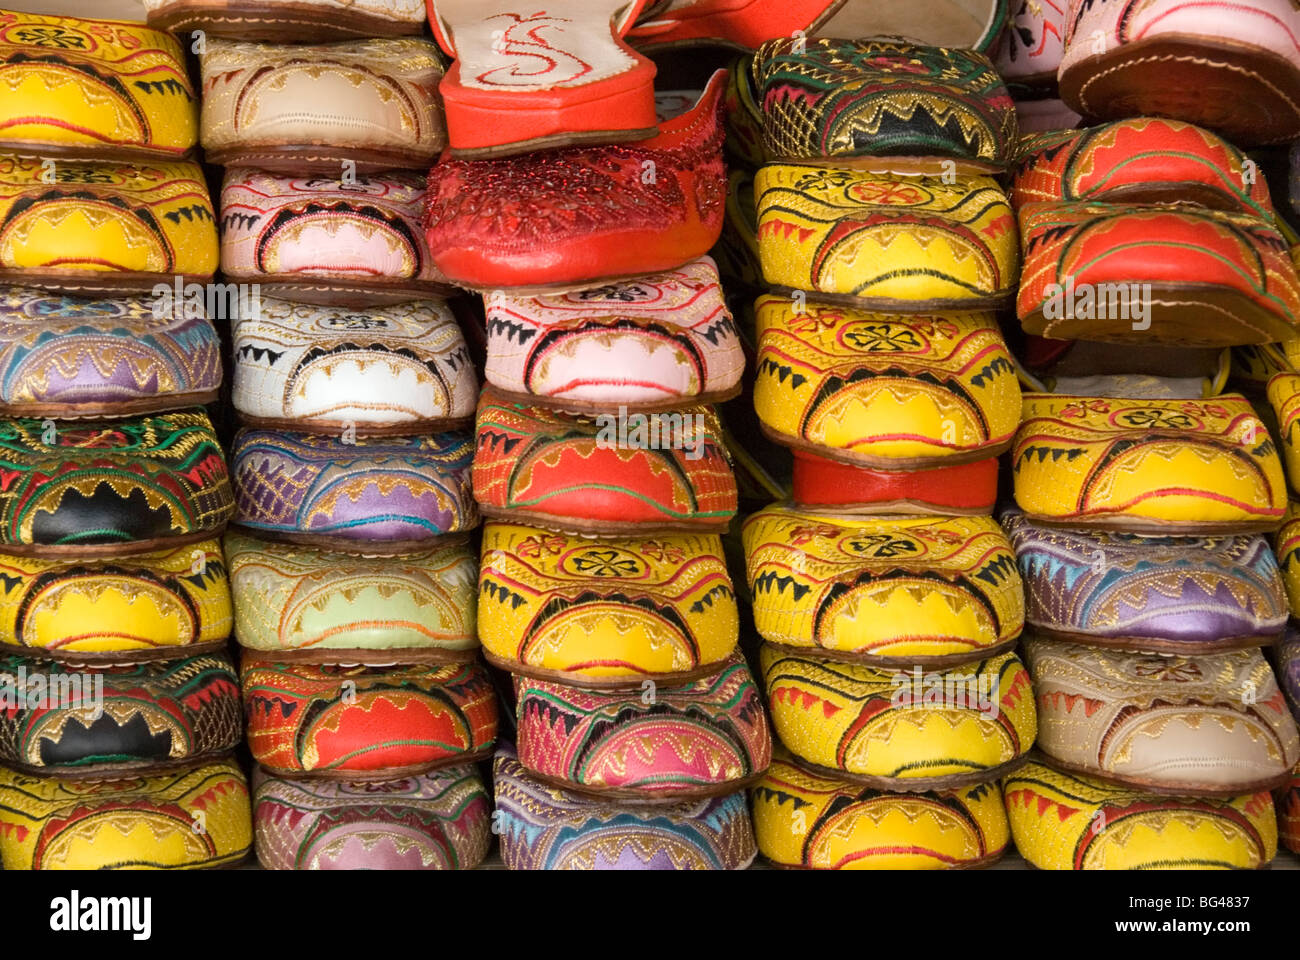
(527,80)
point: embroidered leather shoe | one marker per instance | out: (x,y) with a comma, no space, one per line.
(366,723)
(653,343)
(321,239)
(94,90)
(438,821)
(376,496)
(1232,67)
(605,613)
(664,472)
(184,820)
(580,216)
(527,79)
(1176,595)
(889,591)
(884,391)
(297,603)
(700,739)
(109,488)
(148,606)
(104,227)
(400,369)
(1152,466)
(885,105)
(546,828)
(1211,725)
(110,722)
(907,730)
(1062,821)
(886,243)
(295,108)
(69,357)
(809,820)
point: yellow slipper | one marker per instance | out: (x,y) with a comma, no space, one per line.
(1148,466)
(193,818)
(604,613)
(1061,821)
(887,243)
(902,729)
(883,590)
(882,390)
(804,819)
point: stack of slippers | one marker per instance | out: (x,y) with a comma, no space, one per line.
(1143,490)
(583,211)
(886,596)
(121,707)
(352,571)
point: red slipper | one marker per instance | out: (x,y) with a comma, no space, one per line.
(526,79)
(584,215)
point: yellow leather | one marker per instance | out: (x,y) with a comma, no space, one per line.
(104,219)
(901,725)
(885,391)
(1160,466)
(94,89)
(192,818)
(804,819)
(608,612)
(156,602)
(1284,396)
(1061,821)
(905,588)
(903,244)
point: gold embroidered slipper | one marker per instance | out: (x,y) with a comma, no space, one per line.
(886,105)
(884,391)
(902,730)
(1213,725)
(370,104)
(1063,821)
(806,820)
(883,591)
(887,243)
(605,613)
(89,228)
(1149,466)
(173,821)
(94,90)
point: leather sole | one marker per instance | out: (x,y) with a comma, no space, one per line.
(291,23)
(123,408)
(335,428)
(1249,95)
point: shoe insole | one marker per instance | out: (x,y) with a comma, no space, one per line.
(510,45)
